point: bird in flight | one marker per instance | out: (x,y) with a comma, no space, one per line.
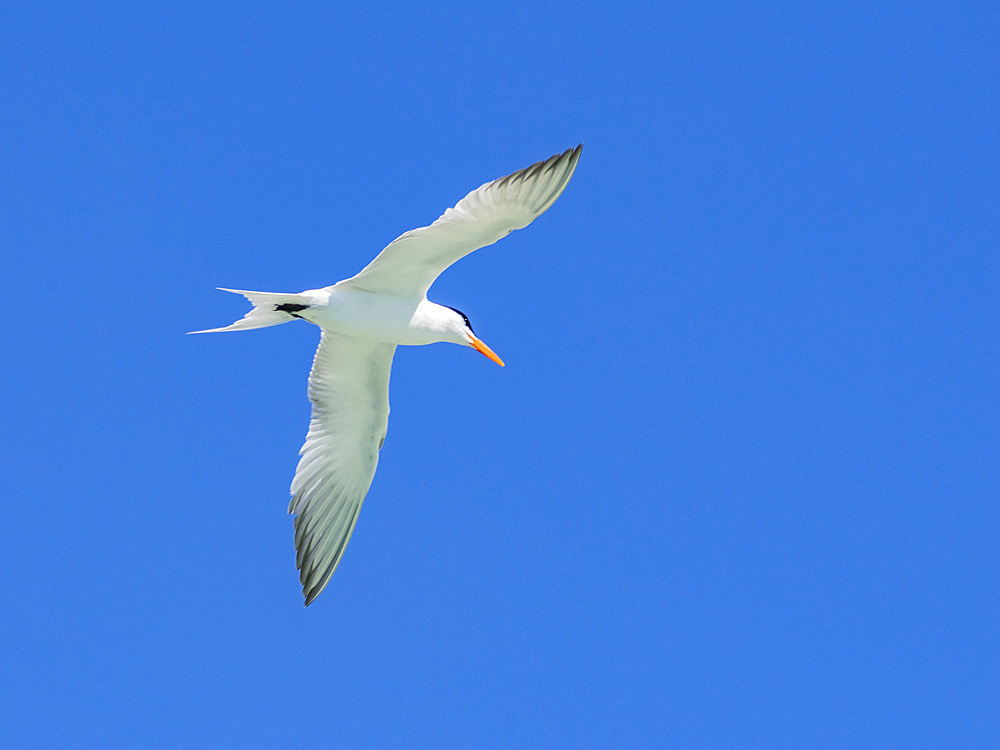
(362,320)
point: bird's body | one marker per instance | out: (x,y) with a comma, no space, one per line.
(363,319)
(391,319)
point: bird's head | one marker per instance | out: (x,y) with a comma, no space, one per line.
(460,324)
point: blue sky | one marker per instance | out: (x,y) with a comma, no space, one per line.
(736,486)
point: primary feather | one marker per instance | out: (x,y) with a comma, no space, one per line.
(411,262)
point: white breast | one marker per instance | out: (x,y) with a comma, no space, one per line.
(372,316)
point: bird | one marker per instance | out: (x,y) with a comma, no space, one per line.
(362,320)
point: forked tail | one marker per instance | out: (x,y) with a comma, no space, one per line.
(269,309)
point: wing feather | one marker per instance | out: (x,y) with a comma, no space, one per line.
(410,263)
(349,391)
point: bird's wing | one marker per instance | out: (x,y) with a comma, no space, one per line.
(410,263)
(349,390)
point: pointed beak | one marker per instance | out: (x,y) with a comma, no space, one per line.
(480,347)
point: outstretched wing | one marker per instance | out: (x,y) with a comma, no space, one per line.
(349,390)
(410,263)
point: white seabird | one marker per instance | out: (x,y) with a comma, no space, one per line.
(363,319)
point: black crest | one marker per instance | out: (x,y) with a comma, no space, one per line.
(467,323)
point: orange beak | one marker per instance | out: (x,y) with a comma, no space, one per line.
(480,347)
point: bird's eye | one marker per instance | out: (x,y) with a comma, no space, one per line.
(467,323)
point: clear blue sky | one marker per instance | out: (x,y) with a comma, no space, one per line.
(736,487)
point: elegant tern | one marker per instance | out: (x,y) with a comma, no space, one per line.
(362,319)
